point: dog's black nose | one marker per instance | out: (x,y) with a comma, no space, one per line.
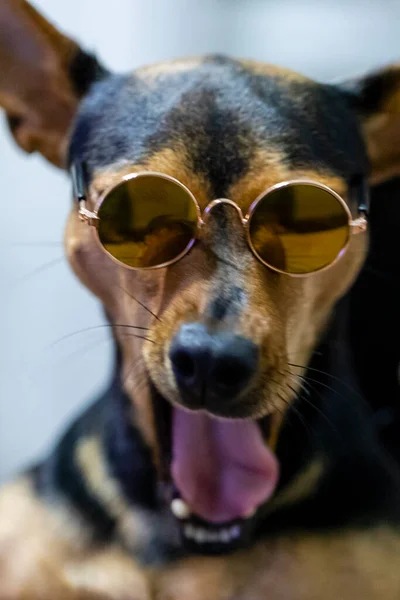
(210,367)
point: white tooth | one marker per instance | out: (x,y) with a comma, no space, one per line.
(235,531)
(208,536)
(199,535)
(205,535)
(188,530)
(225,535)
(180,509)
(213,536)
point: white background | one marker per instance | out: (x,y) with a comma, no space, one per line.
(41,384)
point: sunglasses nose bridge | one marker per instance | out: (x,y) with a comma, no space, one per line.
(219,201)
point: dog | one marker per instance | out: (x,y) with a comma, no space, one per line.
(246,446)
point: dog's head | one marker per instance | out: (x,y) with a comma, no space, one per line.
(217,331)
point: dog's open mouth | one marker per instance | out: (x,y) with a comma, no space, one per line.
(222,471)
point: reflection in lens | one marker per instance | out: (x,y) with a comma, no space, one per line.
(147,221)
(299,228)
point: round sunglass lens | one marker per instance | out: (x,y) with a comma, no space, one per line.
(147,221)
(299,228)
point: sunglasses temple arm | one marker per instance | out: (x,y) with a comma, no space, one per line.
(359,191)
(363,197)
(359,187)
(78,175)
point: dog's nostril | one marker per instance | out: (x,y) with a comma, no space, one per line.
(184,364)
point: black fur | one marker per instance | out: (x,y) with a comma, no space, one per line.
(368,95)
(84,71)
(221,114)
(60,476)
(360,485)
(375,322)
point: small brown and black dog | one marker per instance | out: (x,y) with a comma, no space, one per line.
(304,382)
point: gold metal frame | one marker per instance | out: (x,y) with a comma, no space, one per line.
(355,226)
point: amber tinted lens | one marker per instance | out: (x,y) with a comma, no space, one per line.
(147,221)
(299,228)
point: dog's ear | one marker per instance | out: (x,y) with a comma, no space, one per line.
(43,75)
(376,98)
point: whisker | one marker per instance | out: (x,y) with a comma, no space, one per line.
(41,269)
(292,408)
(82,351)
(302,388)
(298,414)
(140,303)
(321,383)
(312,404)
(313,353)
(140,337)
(344,383)
(94,327)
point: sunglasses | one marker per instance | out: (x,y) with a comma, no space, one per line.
(150,220)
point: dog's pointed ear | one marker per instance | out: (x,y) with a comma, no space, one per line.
(43,76)
(376,97)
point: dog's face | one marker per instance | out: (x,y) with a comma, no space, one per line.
(229,130)
(217,332)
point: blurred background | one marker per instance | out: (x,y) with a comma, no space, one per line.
(45,376)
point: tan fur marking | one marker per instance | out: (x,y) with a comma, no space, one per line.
(302,486)
(282,73)
(179,65)
(275,428)
(90,458)
(46,554)
(329,567)
(345,565)
(270,167)
(132,528)
(170,161)
(32,536)
(111,572)
(267,169)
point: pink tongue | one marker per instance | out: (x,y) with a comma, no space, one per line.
(222,469)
